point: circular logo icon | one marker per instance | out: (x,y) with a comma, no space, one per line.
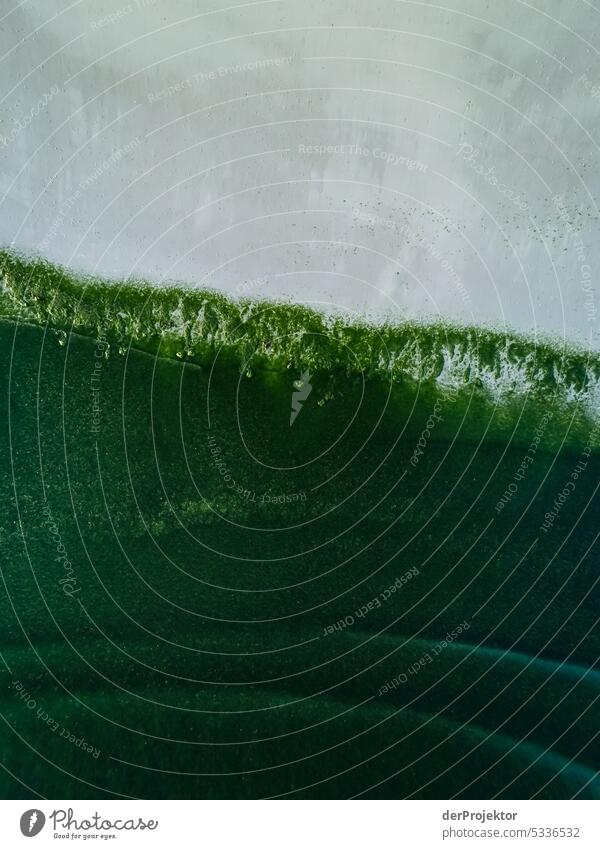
(32,822)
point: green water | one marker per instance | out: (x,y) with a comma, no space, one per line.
(393,596)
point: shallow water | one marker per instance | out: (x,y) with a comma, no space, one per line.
(250,551)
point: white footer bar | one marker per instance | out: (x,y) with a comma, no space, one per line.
(301,824)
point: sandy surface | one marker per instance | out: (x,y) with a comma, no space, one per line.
(402,158)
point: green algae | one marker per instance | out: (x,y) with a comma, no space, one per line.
(186,627)
(202,324)
(489,371)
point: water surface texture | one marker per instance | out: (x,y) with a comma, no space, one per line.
(253,551)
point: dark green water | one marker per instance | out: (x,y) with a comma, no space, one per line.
(394,596)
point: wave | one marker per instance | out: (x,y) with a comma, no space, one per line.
(489,369)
